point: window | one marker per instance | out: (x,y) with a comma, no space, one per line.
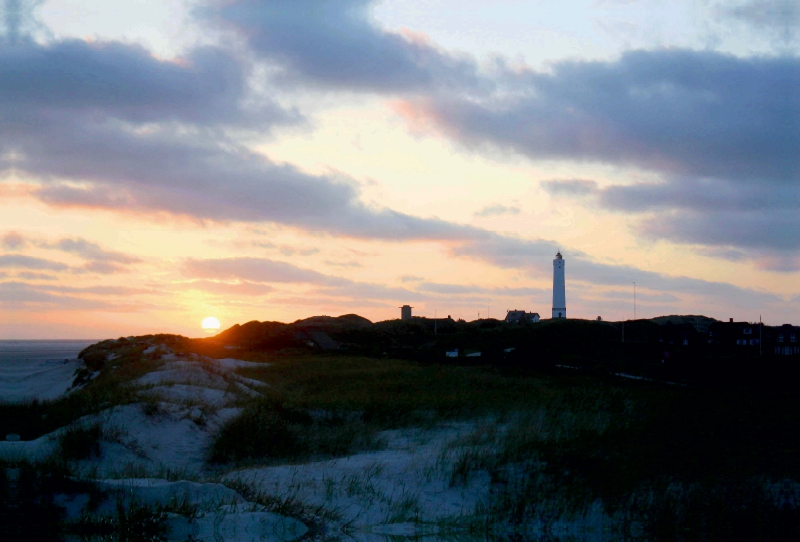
(780,337)
(793,338)
(754,341)
(747,331)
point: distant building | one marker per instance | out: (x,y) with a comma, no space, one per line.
(559,288)
(769,340)
(405,312)
(786,340)
(521,317)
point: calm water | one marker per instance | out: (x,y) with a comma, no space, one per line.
(15,351)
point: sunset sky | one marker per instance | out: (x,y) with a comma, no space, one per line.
(162,161)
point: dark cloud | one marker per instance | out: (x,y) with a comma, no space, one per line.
(497,210)
(207,87)
(13,241)
(20,261)
(720,131)
(92,251)
(107,126)
(776,230)
(335,44)
(699,113)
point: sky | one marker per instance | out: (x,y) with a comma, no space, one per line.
(162,161)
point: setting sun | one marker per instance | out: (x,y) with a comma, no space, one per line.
(210,324)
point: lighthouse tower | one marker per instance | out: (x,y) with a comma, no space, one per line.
(559,289)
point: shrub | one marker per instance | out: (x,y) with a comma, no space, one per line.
(79,443)
(273,430)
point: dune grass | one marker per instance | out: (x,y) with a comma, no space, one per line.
(674,460)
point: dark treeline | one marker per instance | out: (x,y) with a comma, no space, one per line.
(665,349)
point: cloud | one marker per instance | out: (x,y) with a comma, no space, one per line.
(366,290)
(27,275)
(106,126)
(19,295)
(534,257)
(13,241)
(719,132)
(455,289)
(779,17)
(102,268)
(92,251)
(19,261)
(242,288)
(257,270)
(411,278)
(351,263)
(97,290)
(640,296)
(497,210)
(700,113)
(108,79)
(262,270)
(291,251)
(570,187)
(334,44)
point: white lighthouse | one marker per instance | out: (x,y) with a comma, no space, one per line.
(559,289)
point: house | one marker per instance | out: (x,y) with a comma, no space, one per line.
(738,334)
(784,341)
(755,337)
(521,317)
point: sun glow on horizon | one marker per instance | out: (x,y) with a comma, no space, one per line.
(211,324)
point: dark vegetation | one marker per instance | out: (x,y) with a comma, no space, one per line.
(77,443)
(28,510)
(686,461)
(670,349)
(689,460)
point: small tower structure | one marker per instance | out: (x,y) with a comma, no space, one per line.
(559,288)
(405,312)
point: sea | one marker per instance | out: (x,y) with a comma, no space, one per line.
(12,351)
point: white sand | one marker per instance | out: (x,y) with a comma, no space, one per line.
(403,482)
(37,379)
(186,400)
